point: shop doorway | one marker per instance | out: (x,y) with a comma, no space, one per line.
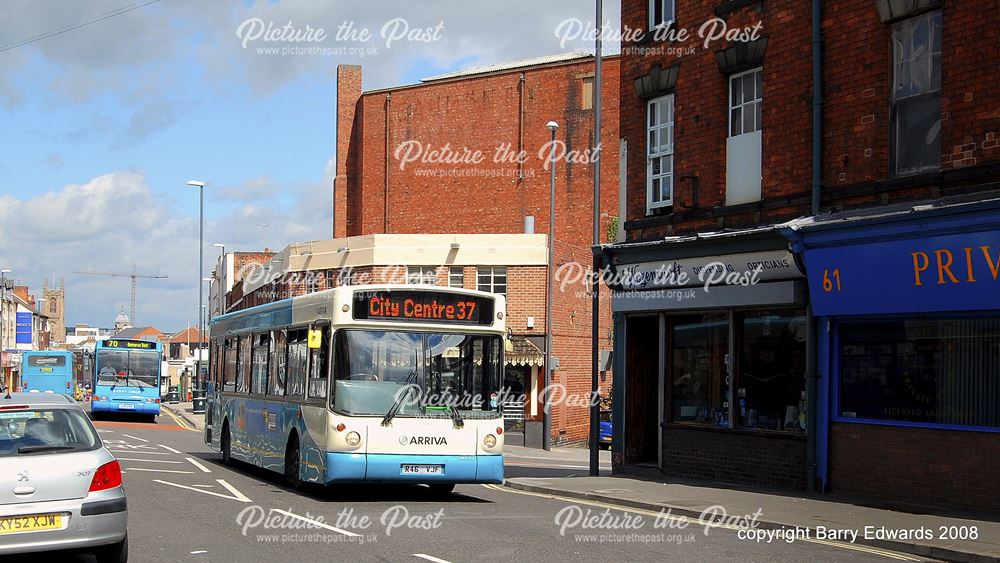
(642,361)
(516,385)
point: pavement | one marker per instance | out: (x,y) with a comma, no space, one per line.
(785,511)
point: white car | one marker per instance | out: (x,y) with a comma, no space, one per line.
(60,488)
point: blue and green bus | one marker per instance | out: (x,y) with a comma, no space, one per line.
(127,377)
(47,371)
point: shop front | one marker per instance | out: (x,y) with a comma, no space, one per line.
(711,380)
(907,306)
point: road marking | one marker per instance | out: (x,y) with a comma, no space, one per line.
(135,438)
(430,558)
(168,448)
(147,460)
(198,465)
(854,547)
(316,523)
(179,421)
(143,452)
(237,496)
(161,470)
(199,552)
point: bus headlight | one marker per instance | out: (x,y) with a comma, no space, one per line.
(353,439)
(490,441)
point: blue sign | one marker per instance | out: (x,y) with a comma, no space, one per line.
(945,273)
(25,328)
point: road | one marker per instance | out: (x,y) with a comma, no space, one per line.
(184,505)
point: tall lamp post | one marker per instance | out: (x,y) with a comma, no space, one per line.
(201,267)
(547,410)
(3,322)
(595,397)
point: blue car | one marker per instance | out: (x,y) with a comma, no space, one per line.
(604,438)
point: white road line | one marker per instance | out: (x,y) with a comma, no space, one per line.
(315,523)
(147,460)
(168,448)
(199,552)
(160,470)
(237,496)
(135,438)
(143,452)
(198,465)
(204,486)
(430,558)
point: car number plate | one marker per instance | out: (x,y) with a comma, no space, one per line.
(421,470)
(126,406)
(32,523)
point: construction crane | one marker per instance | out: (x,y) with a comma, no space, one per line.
(132,275)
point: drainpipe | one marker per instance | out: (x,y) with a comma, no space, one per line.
(385,180)
(812,335)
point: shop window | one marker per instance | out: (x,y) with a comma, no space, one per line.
(770,392)
(921,371)
(700,393)
(916,93)
(659,152)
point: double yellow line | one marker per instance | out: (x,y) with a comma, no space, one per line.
(850,546)
(180,421)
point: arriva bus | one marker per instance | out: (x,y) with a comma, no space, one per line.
(127,377)
(362,384)
(48,371)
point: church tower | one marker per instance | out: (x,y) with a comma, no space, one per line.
(55,307)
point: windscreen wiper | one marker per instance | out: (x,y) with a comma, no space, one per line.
(34,449)
(394,409)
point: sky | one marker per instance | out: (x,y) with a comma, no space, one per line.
(102,125)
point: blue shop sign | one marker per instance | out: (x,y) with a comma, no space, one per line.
(24,328)
(943,273)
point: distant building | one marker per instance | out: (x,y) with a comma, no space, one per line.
(184,343)
(55,309)
(149,333)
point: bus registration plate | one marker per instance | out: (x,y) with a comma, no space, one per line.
(421,469)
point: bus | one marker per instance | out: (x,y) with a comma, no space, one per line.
(127,377)
(362,384)
(47,371)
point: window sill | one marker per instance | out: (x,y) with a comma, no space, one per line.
(747,431)
(665,32)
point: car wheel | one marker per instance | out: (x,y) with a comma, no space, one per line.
(114,553)
(443,490)
(225,446)
(292,463)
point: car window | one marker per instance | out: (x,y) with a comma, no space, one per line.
(42,431)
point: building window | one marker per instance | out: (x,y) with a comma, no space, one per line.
(944,371)
(916,93)
(659,152)
(421,275)
(456,276)
(493,279)
(743,147)
(698,392)
(587,93)
(661,13)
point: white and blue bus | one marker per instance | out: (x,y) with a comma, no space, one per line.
(362,384)
(127,377)
(47,371)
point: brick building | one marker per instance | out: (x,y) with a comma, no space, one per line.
(466,152)
(802,378)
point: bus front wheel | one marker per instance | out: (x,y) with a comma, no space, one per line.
(225,445)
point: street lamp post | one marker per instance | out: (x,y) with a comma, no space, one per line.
(547,410)
(3,321)
(595,397)
(201,267)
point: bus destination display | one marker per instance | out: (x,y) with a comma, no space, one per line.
(425,306)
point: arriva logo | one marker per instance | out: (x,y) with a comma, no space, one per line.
(423,441)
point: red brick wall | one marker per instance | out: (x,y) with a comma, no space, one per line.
(857,87)
(348,93)
(943,467)
(481,112)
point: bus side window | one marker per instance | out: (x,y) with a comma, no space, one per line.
(243,365)
(276,373)
(229,373)
(319,365)
(298,358)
